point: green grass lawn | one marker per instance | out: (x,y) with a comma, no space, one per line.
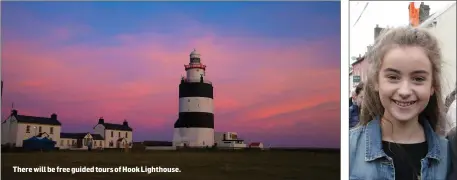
(220,165)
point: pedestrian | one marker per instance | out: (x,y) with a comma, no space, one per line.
(351,99)
(126,147)
(452,137)
(89,145)
(400,134)
(354,110)
(450,105)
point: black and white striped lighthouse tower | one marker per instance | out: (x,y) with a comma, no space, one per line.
(195,125)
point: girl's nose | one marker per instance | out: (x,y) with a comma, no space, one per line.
(405,90)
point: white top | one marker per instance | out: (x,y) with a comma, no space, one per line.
(194,54)
(450,116)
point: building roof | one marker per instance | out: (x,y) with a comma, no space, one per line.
(435,15)
(97,136)
(34,119)
(37,120)
(255,144)
(119,127)
(110,126)
(358,60)
(80,136)
(194,52)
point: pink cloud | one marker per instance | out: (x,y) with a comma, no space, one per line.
(255,79)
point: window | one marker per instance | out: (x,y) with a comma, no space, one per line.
(112,134)
(188,100)
(39,129)
(61,142)
(51,130)
(126,135)
(27,129)
(68,142)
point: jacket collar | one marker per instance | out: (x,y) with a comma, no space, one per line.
(374,149)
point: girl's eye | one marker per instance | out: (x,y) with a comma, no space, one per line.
(419,79)
(392,77)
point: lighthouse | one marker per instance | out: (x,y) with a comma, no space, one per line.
(195,125)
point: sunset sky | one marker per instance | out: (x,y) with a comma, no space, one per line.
(275,66)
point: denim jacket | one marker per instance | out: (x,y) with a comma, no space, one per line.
(368,161)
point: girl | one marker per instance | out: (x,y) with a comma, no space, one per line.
(399,134)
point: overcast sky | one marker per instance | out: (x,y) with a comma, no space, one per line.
(383,13)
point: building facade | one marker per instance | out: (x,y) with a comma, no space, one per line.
(17,128)
(443,25)
(256,145)
(359,71)
(114,135)
(228,140)
(80,141)
(360,66)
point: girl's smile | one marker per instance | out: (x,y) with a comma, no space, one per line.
(404,104)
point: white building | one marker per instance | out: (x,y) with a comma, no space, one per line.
(79,141)
(443,25)
(114,135)
(17,128)
(256,145)
(228,140)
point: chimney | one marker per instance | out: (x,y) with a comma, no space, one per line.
(101,121)
(377,31)
(424,12)
(14,112)
(125,123)
(54,116)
